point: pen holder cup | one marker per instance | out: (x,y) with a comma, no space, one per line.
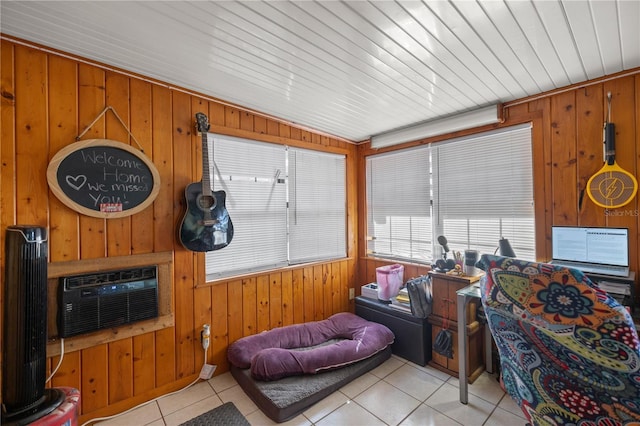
(470,259)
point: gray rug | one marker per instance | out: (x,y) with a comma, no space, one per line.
(225,415)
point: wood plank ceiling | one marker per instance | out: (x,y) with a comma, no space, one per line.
(347,68)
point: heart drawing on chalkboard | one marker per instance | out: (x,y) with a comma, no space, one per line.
(76,182)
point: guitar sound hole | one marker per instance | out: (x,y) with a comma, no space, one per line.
(207,202)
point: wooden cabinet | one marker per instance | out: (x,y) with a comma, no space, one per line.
(443,316)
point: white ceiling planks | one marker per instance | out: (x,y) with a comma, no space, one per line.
(540,43)
(348,68)
(507,43)
(563,45)
(580,19)
(606,22)
(630,33)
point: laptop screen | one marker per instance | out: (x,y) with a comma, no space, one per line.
(607,246)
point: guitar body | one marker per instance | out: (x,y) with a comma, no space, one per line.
(206,225)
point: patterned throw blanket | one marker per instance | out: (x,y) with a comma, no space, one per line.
(569,352)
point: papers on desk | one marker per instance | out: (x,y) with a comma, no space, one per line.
(401,302)
(621,289)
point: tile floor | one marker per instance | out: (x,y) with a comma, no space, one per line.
(398,392)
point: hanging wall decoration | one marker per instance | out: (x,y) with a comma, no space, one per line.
(611,186)
(103,178)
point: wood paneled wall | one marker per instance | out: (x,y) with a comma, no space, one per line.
(567,145)
(47,100)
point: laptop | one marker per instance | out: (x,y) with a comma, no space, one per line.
(602,251)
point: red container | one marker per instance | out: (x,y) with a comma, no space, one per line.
(390,279)
(66,414)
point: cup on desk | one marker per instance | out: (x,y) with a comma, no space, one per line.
(470,259)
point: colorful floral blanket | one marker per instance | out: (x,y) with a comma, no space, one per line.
(569,352)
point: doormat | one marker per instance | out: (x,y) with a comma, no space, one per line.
(225,415)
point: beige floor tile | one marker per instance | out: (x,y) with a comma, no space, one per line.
(325,406)
(502,417)
(359,385)
(243,403)
(193,410)
(182,399)
(507,403)
(487,387)
(433,371)
(222,382)
(145,414)
(397,392)
(258,418)
(387,402)
(387,367)
(350,414)
(427,416)
(447,401)
(414,381)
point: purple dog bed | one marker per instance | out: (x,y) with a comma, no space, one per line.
(275,354)
(288,369)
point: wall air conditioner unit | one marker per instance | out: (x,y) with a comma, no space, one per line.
(107,299)
(454,123)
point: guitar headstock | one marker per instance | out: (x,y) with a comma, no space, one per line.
(202,122)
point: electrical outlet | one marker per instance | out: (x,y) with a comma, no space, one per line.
(205,336)
(352,293)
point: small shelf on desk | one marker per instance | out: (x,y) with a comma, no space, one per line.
(628,299)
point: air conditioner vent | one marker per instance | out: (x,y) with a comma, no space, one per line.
(107,299)
(110,277)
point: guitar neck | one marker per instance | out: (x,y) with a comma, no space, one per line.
(206,170)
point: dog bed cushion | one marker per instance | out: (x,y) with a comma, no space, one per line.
(276,353)
(284,399)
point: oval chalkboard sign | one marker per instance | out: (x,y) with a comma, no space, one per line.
(103,178)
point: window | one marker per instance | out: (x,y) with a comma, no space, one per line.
(249,173)
(275,195)
(481,189)
(317,206)
(398,204)
(485,191)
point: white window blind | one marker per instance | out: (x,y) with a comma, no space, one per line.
(252,174)
(287,205)
(398,204)
(484,191)
(473,190)
(317,205)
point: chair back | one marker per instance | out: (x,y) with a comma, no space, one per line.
(569,352)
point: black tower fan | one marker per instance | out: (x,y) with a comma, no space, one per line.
(24,341)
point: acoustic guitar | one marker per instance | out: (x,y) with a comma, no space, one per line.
(206,225)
